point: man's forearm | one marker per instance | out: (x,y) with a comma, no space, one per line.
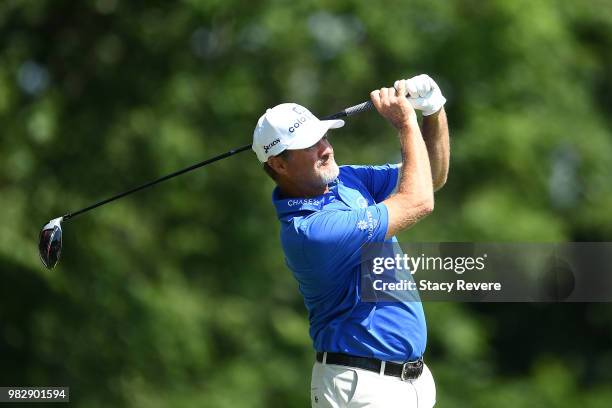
(435,135)
(413,199)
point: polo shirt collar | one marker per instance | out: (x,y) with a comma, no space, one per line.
(287,207)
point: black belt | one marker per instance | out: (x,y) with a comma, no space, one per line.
(410,370)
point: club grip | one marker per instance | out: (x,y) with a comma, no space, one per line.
(353,110)
(362,107)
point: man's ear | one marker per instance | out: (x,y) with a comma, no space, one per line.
(278,164)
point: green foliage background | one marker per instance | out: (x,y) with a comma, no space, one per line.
(179,296)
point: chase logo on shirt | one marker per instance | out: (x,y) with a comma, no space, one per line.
(302,201)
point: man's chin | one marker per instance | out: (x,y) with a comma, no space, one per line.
(329,174)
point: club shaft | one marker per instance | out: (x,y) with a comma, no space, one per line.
(346,112)
(159,180)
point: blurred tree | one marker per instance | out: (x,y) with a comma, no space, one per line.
(180,296)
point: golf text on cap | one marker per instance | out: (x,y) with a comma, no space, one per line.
(271,145)
(300,120)
(297,124)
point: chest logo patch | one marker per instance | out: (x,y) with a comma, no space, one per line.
(361,202)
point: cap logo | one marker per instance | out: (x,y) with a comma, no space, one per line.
(297,123)
(271,145)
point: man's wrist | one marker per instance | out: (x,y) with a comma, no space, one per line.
(433,116)
(408,124)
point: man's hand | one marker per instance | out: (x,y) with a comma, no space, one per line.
(413,199)
(394,106)
(424,94)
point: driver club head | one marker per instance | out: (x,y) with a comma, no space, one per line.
(50,243)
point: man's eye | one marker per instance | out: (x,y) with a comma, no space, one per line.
(314,146)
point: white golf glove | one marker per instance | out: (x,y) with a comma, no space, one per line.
(424,94)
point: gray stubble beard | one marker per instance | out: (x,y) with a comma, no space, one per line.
(329,175)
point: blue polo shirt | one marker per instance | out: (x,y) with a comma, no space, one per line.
(321,238)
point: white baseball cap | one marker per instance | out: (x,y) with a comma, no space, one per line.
(288,126)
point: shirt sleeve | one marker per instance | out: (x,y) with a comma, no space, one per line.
(333,239)
(379,180)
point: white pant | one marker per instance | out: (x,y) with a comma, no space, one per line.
(338,386)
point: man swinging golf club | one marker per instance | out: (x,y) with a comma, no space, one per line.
(367,353)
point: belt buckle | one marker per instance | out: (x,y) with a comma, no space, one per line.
(417,364)
(404,375)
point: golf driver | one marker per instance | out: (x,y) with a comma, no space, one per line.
(50,243)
